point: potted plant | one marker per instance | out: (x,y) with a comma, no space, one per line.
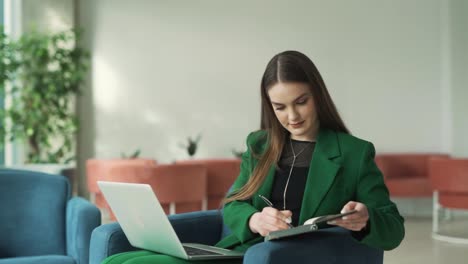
(41,74)
(192,145)
(133,155)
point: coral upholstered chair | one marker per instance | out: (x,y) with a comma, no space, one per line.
(221,174)
(406,174)
(99,170)
(179,187)
(449,180)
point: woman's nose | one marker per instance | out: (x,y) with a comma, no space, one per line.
(293,114)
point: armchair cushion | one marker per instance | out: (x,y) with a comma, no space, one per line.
(39,223)
(33,213)
(202,227)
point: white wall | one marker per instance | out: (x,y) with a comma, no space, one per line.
(459,77)
(165,70)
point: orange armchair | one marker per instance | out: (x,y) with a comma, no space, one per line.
(180,188)
(449,180)
(99,170)
(221,174)
(406,174)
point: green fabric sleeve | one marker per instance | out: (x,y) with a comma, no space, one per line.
(386,229)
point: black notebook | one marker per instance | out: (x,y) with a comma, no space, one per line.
(308,226)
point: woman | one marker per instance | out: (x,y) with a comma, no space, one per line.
(305,162)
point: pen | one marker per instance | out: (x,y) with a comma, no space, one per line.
(270,204)
(266,200)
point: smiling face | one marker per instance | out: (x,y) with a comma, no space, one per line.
(294,107)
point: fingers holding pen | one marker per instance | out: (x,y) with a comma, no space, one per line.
(286,215)
(277,218)
(268,220)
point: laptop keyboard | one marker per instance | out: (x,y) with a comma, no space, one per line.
(198,252)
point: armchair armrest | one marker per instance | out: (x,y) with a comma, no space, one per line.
(82,217)
(331,245)
(108,240)
(195,227)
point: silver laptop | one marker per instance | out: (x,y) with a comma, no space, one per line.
(146,226)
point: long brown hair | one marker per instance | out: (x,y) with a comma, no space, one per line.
(287,66)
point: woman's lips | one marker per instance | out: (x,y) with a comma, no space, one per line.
(297,125)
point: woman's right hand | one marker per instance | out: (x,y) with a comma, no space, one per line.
(268,220)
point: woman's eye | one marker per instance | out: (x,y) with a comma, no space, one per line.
(301,102)
(279,108)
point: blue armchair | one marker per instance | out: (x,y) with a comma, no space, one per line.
(332,245)
(40,223)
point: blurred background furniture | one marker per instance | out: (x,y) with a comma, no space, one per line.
(179,187)
(449,180)
(40,222)
(221,174)
(99,170)
(406,174)
(331,245)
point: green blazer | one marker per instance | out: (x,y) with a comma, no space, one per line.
(342,169)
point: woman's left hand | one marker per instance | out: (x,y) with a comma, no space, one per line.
(356,221)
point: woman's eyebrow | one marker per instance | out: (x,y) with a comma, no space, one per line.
(299,97)
(276,103)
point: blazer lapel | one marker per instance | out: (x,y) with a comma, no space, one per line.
(321,174)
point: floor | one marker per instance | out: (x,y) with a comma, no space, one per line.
(419,247)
